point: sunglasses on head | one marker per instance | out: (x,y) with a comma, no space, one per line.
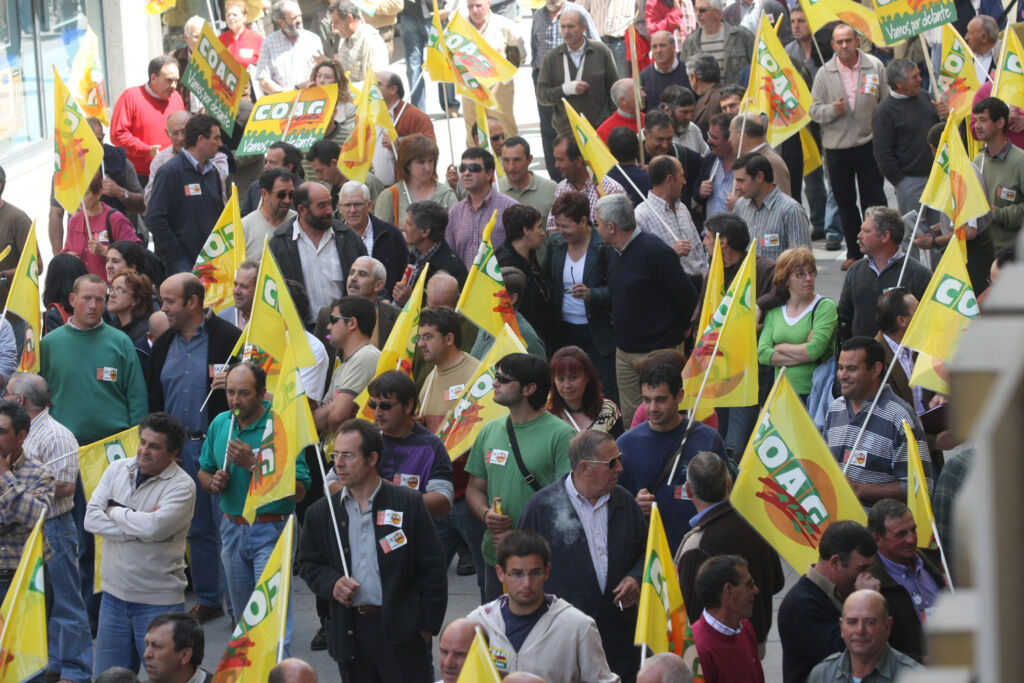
(335,318)
(281,194)
(472,168)
(383,405)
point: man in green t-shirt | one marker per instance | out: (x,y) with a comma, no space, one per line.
(498,488)
(237,442)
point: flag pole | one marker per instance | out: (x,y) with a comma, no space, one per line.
(15,589)
(634,62)
(906,256)
(289,550)
(942,555)
(928,63)
(692,413)
(874,402)
(448,120)
(330,505)
(231,427)
(291,115)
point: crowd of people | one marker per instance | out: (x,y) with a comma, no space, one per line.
(550,506)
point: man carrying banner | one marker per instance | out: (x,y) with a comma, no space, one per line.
(982,36)
(878,468)
(230,457)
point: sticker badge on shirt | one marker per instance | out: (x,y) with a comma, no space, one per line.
(193,190)
(410,480)
(500,658)
(454,391)
(1008,194)
(106,374)
(389,517)
(104,236)
(869,84)
(859,457)
(497,456)
(679,493)
(393,541)
(216,368)
(245,53)
(770,240)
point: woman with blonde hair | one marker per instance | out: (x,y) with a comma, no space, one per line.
(416,176)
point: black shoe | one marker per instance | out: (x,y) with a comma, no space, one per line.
(833,244)
(818,233)
(319,641)
(465,567)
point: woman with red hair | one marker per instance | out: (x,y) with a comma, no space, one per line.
(576,393)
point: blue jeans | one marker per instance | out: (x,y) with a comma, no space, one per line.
(245,550)
(814,190)
(618,48)
(547,134)
(121,639)
(68,627)
(203,535)
(414,41)
(462,525)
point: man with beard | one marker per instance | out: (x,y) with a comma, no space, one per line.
(288,54)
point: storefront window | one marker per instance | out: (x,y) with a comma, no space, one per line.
(35,36)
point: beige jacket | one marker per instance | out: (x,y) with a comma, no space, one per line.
(853,128)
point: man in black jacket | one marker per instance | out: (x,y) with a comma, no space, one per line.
(303,253)
(389,592)
(183,369)
(596,566)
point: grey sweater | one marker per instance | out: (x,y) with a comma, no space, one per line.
(853,128)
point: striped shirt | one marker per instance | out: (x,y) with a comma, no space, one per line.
(321,268)
(780,223)
(654,215)
(466,224)
(546,35)
(608,186)
(26,491)
(594,520)
(288,64)
(881,456)
(53,444)
(611,16)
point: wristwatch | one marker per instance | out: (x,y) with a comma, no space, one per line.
(126,195)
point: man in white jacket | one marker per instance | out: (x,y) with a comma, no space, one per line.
(142,509)
(531,631)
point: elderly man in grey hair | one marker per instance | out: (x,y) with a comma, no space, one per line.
(288,54)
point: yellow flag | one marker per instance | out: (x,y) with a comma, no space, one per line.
(274,325)
(221,256)
(379,112)
(159,6)
(93,458)
(483,136)
(917,492)
(776,89)
(478,667)
(79,154)
(357,152)
(790,488)
(661,621)
(953,186)
(253,648)
(728,347)
(87,83)
(477,66)
(23,650)
(438,62)
(863,20)
(595,152)
(476,406)
(1009,84)
(956,80)
(931,374)
(714,288)
(400,346)
(947,307)
(23,301)
(289,430)
(812,155)
(484,299)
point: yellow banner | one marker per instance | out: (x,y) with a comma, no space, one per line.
(94,458)
(221,256)
(930,374)
(728,347)
(595,152)
(1009,85)
(159,6)
(216,79)
(253,648)
(904,19)
(476,405)
(957,81)
(78,152)
(863,20)
(484,299)
(357,152)
(478,667)
(947,307)
(918,500)
(812,155)
(438,61)
(87,82)
(23,650)
(298,117)
(776,89)
(790,488)
(661,622)
(23,301)
(714,288)
(953,185)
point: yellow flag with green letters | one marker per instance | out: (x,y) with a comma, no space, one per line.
(661,622)
(87,82)
(957,80)
(23,651)
(484,299)
(478,667)
(78,152)
(917,492)
(23,301)
(1009,84)
(221,256)
(953,185)
(776,89)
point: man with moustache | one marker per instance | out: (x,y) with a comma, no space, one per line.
(277,188)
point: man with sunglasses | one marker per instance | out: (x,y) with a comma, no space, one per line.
(515,456)
(725,639)
(467,219)
(598,538)
(277,188)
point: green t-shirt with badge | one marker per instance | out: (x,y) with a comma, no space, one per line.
(232,499)
(544,446)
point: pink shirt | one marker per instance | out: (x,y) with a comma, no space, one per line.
(77,242)
(851,78)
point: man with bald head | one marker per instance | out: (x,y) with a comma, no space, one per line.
(453,647)
(868,656)
(666,667)
(183,366)
(625,109)
(292,670)
(664,70)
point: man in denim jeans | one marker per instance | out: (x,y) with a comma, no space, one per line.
(55,446)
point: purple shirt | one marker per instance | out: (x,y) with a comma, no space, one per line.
(919,583)
(466,225)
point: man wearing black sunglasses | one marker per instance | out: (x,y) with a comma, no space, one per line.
(598,537)
(277,188)
(466,220)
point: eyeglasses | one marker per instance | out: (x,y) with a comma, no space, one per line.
(472,168)
(281,194)
(801,274)
(503,379)
(749,583)
(353,205)
(519,575)
(611,463)
(499,137)
(335,318)
(383,405)
(120,291)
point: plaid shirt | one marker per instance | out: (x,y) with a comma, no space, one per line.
(466,224)
(287,64)
(611,16)
(546,35)
(779,224)
(55,446)
(608,186)
(653,215)
(26,491)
